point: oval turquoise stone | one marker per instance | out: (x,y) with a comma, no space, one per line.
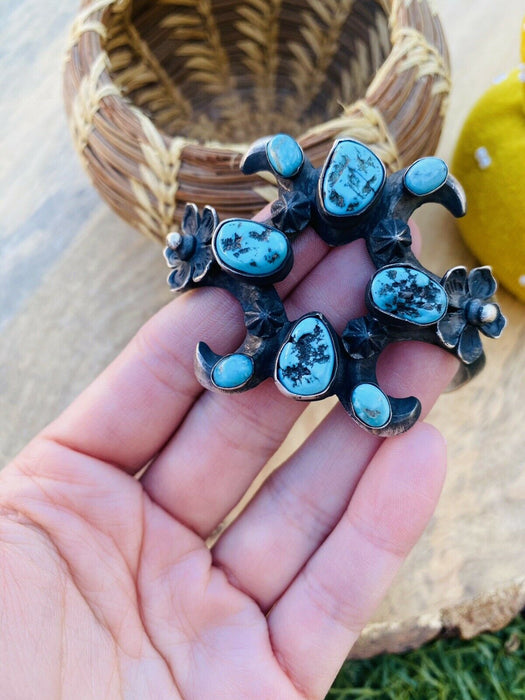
(306,363)
(426,175)
(371,405)
(232,371)
(285,155)
(250,248)
(408,294)
(351,179)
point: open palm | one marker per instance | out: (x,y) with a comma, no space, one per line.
(108,587)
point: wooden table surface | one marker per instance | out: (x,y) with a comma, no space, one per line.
(76,283)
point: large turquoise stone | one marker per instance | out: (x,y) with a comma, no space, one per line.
(250,248)
(371,405)
(426,175)
(351,179)
(285,155)
(306,363)
(232,371)
(408,294)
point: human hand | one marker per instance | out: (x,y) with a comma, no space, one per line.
(108,587)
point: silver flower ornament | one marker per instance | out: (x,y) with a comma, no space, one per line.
(470,311)
(189,253)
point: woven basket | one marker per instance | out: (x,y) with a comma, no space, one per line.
(164,96)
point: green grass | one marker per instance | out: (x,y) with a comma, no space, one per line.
(489,667)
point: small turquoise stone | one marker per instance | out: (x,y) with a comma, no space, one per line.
(408,294)
(250,248)
(232,371)
(306,363)
(371,405)
(285,155)
(351,179)
(426,175)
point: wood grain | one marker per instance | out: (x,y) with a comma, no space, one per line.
(76,283)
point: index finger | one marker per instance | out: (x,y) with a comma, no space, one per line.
(131,410)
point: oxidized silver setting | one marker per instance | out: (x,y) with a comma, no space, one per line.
(350,197)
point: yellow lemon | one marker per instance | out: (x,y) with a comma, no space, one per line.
(489,161)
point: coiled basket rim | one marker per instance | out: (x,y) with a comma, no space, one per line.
(147,175)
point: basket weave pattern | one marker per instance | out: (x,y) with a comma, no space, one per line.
(163,96)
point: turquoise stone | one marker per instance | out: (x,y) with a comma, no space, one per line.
(408,294)
(285,155)
(371,405)
(250,248)
(232,371)
(351,179)
(306,363)
(426,175)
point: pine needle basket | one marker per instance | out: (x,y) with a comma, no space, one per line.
(164,96)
